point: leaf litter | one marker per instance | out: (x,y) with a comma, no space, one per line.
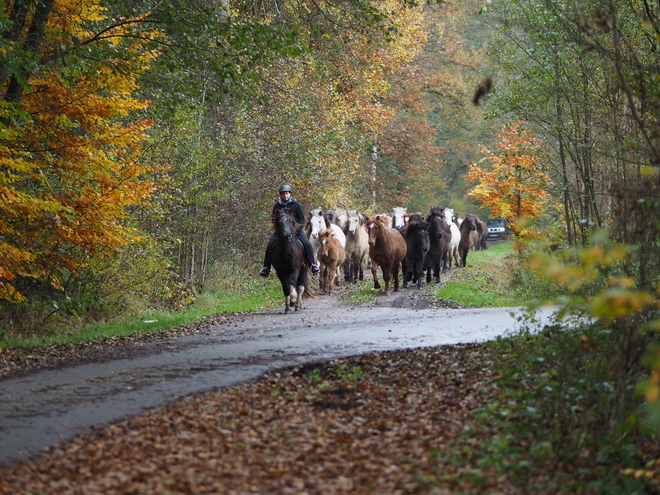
(366,424)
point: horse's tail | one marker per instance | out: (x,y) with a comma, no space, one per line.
(309,292)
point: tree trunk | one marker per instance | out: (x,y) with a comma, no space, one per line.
(32,45)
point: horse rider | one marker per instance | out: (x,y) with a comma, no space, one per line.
(287,201)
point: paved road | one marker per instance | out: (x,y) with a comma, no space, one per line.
(43,408)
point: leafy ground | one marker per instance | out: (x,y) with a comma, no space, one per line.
(499,418)
(369,424)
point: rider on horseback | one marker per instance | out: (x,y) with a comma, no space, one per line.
(286,201)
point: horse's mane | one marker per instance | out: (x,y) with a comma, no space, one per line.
(377,219)
(285,210)
(415,226)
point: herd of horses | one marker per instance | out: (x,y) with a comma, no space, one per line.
(345,242)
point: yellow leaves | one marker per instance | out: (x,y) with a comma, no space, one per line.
(511,181)
(72,168)
(617,303)
(597,255)
(578,269)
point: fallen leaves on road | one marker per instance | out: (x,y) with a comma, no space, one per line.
(366,424)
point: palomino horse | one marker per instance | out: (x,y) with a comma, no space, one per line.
(289,259)
(357,246)
(387,248)
(331,254)
(468,235)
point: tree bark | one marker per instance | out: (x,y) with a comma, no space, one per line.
(32,45)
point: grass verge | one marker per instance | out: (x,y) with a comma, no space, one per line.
(235,293)
(485,281)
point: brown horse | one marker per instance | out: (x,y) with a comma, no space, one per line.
(387,248)
(331,255)
(468,230)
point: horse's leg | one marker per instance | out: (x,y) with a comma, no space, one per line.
(388,270)
(395,275)
(419,275)
(299,303)
(323,268)
(293,280)
(286,290)
(405,269)
(331,278)
(374,274)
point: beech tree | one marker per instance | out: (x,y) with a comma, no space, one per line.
(511,180)
(70,153)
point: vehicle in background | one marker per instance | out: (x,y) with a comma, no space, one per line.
(497,229)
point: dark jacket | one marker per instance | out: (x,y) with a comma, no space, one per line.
(295,208)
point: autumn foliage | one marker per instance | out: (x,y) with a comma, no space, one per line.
(69,154)
(512,180)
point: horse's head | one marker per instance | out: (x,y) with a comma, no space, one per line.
(324,239)
(435,221)
(285,223)
(420,230)
(471,221)
(353,222)
(317,222)
(375,225)
(399,213)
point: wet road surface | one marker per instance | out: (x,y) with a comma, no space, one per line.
(42,408)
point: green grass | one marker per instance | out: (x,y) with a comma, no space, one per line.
(362,292)
(485,282)
(232,295)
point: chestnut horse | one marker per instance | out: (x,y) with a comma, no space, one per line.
(289,259)
(468,230)
(387,248)
(331,255)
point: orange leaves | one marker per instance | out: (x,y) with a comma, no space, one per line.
(512,180)
(71,164)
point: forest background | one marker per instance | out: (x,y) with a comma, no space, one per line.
(142,143)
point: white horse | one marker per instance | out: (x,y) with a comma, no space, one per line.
(357,246)
(317,222)
(399,217)
(452,251)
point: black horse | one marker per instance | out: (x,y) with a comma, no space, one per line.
(416,234)
(289,259)
(439,235)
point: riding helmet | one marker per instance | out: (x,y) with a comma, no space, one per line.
(285,188)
